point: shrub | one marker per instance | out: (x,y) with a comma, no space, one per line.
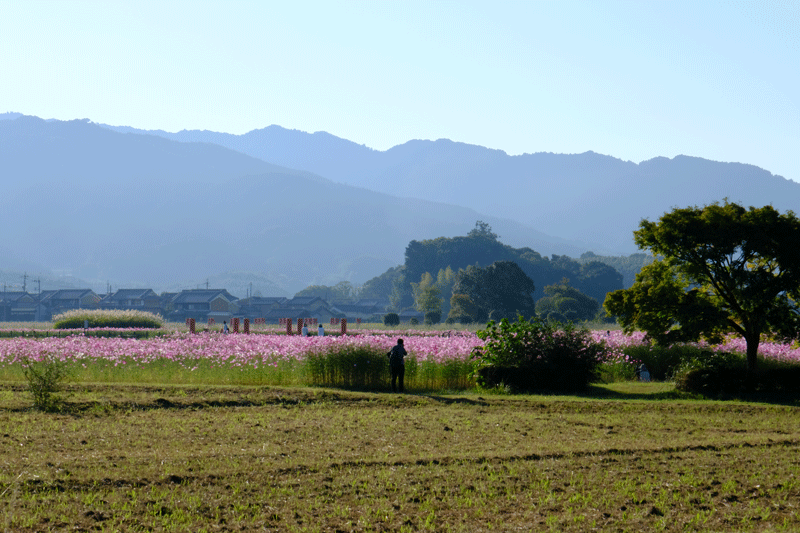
(663,362)
(725,374)
(391,319)
(433,317)
(100,318)
(45,379)
(413,321)
(534,355)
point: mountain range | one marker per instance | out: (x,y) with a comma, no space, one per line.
(587,198)
(276,210)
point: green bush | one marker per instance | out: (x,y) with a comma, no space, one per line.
(99,318)
(663,362)
(391,319)
(433,317)
(45,379)
(534,355)
(715,374)
(413,321)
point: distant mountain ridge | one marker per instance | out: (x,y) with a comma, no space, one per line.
(587,197)
(145,211)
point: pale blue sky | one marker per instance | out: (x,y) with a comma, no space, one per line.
(635,80)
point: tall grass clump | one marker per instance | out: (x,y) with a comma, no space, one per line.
(101,318)
(348,366)
(445,375)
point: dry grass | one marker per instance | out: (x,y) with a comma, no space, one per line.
(127,458)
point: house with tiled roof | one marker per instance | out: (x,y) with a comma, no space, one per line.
(133,299)
(68,299)
(306,302)
(367,310)
(259,306)
(202,304)
(19,306)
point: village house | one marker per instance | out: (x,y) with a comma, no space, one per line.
(19,306)
(56,302)
(133,299)
(259,306)
(309,307)
(203,304)
(371,310)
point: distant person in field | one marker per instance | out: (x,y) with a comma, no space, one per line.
(225,326)
(397,364)
(320,331)
(304,331)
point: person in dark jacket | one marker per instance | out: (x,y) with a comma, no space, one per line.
(397,364)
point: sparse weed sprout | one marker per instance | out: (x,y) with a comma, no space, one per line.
(101,318)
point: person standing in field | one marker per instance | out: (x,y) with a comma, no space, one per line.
(224,326)
(397,364)
(320,331)
(304,331)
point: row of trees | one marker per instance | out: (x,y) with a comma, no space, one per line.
(476,277)
(500,290)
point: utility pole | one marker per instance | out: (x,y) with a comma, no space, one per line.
(25,282)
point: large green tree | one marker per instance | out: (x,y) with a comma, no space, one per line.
(501,290)
(568,302)
(427,296)
(723,268)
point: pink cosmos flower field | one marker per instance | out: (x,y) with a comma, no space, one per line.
(226,350)
(617,340)
(265,350)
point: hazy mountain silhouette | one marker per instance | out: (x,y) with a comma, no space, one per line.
(582,197)
(141,210)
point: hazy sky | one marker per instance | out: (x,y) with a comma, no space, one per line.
(635,80)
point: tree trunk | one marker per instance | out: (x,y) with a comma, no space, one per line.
(752,359)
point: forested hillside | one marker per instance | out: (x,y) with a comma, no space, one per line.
(438,261)
(628,266)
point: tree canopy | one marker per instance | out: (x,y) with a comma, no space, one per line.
(481,247)
(723,268)
(501,290)
(565,301)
